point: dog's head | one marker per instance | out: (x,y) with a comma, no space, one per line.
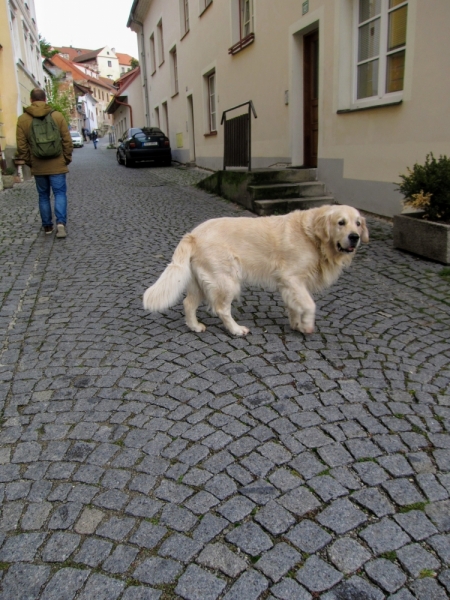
(342,228)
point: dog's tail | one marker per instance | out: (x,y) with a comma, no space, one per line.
(167,291)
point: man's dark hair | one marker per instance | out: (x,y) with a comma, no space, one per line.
(37,95)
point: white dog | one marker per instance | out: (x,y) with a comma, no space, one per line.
(297,254)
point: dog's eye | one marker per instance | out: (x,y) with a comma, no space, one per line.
(358,223)
(341,222)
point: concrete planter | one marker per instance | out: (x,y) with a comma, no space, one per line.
(425,238)
(8,181)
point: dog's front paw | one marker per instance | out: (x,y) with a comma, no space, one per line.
(198,328)
(240,331)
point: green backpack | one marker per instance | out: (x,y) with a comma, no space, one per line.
(45,137)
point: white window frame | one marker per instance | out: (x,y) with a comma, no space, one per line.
(160,41)
(174,71)
(382,97)
(242,29)
(184,17)
(152,53)
(212,102)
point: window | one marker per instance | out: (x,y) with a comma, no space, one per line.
(184,16)
(109,63)
(160,39)
(212,102)
(381,47)
(174,71)
(152,53)
(242,25)
(204,5)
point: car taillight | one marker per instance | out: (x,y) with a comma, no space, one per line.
(166,142)
(132,145)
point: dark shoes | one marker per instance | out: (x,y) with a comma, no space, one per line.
(48,229)
(61,230)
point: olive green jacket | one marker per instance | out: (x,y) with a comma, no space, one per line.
(43,166)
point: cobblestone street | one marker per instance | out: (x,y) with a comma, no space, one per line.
(142,461)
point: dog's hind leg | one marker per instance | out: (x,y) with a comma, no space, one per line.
(301,307)
(192,301)
(221,299)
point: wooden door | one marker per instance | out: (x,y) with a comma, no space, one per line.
(311,97)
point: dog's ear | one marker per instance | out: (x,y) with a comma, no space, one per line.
(322,226)
(364,231)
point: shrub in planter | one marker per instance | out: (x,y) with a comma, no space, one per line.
(427,188)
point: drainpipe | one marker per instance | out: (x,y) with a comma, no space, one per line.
(144,68)
(129,106)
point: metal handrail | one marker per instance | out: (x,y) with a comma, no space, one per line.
(251,109)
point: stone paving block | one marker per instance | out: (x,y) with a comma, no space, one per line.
(257,464)
(318,576)
(65,584)
(432,489)
(335,455)
(260,491)
(327,488)
(121,559)
(173,492)
(362,448)
(24,581)
(428,588)
(355,587)
(441,545)
(416,559)
(36,515)
(141,506)
(93,552)
(284,480)
(444,579)
(101,588)
(403,492)
(218,556)
(116,528)
(308,536)
(21,547)
(201,502)
(384,573)
(371,473)
(275,518)
(288,589)
(89,520)
(141,593)
(180,547)
(177,518)
(60,546)
(416,524)
(221,486)
(348,555)
(384,536)
(439,513)
(148,535)
(341,516)
(157,571)
(209,527)
(307,465)
(299,501)
(198,584)
(250,586)
(372,499)
(65,515)
(236,509)
(250,538)
(278,561)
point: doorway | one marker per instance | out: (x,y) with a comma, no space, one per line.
(310,98)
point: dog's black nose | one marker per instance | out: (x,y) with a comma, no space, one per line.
(353,238)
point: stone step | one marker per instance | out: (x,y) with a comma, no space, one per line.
(288,175)
(284,206)
(287,190)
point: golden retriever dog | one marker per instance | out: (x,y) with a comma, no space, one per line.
(297,254)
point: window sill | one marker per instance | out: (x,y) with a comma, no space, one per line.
(153,72)
(370,106)
(205,9)
(210,134)
(184,35)
(175,94)
(241,44)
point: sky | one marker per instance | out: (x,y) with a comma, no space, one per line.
(88,24)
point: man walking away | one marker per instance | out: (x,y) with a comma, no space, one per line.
(45,144)
(95,138)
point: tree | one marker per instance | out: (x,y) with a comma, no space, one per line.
(134,63)
(46,48)
(61,100)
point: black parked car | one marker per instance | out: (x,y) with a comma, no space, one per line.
(144,144)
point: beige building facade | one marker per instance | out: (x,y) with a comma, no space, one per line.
(20,68)
(356,87)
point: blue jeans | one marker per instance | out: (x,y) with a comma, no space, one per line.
(95,144)
(45,184)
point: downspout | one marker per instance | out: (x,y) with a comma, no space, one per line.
(144,70)
(129,106)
